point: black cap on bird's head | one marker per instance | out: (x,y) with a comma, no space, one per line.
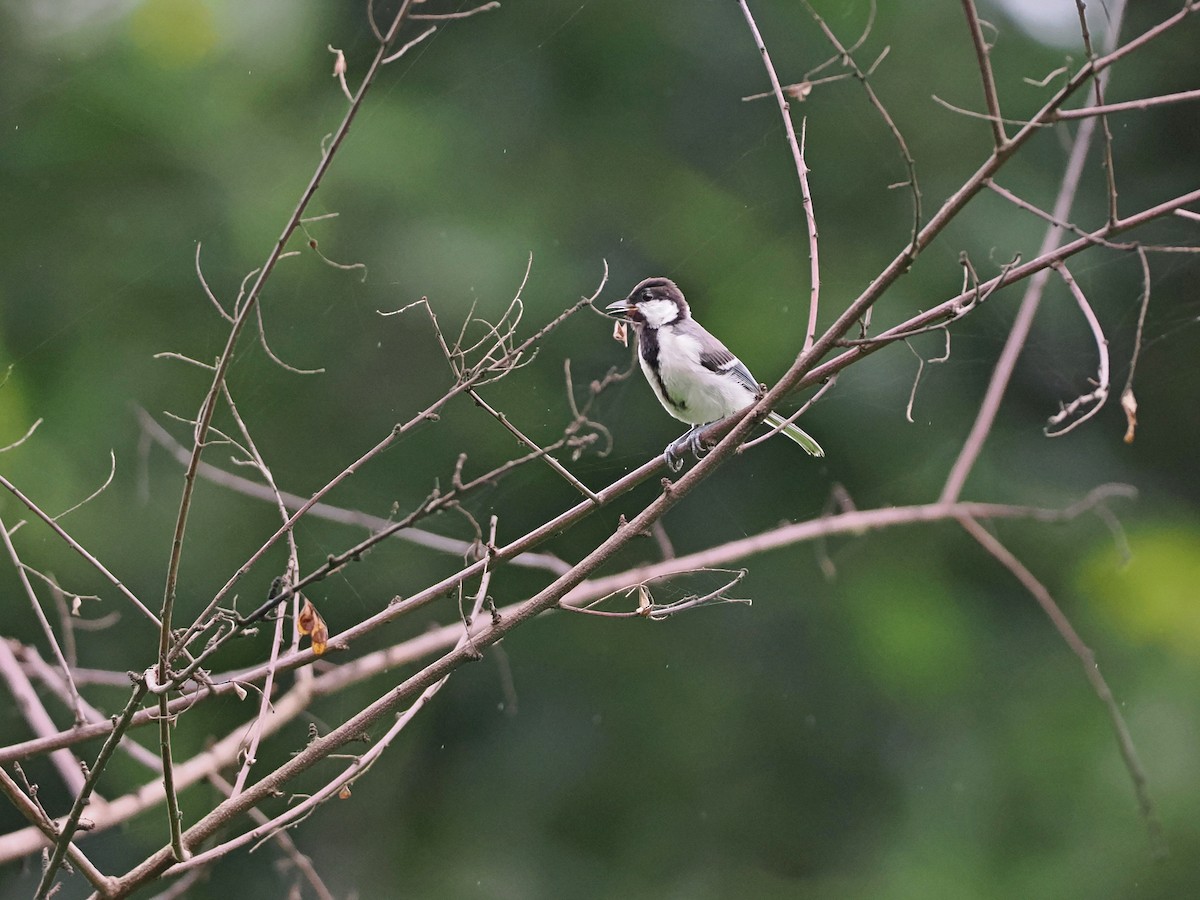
(648,291)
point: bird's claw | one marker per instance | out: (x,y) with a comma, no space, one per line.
(673,455)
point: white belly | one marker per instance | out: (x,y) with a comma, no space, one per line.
(691,399)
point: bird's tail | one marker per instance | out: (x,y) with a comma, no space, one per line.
(796,433)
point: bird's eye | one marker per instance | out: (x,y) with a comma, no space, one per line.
(647,295)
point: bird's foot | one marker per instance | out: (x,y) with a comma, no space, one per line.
(689,441)
(672,456)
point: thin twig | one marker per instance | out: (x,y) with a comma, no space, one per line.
(71,823)
(290,577)
(533,445)
(1097,396)
(797,148)
(1128,402)
(1019,332)
(775,429)
(23,438)
(35,815)
(502,363)
(353,518)
(1024,204)
(399,53)
(985,116)
(208,291)
(1098,91)
(845,55)
(303,863)
(112,470)
(984,60)
(40,615)
(921,363)
(1087,112)
(444,17)
(78,548)
(29,704)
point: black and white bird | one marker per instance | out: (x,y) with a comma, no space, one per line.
(693,374)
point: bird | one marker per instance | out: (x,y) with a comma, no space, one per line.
(695,377)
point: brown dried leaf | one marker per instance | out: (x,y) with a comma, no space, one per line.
(799,91)
(1129,404)
(310,623)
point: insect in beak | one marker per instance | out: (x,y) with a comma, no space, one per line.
(619,310)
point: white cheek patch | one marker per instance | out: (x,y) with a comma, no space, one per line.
(658,313)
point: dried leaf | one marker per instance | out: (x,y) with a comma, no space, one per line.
(309,622)
(645,602)
(799,91)
(339,62)
(1129,404)
(621,333)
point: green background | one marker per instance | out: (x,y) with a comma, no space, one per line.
(911,727)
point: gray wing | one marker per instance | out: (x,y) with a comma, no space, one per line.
(716,357)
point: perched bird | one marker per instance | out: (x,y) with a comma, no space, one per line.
(693,374)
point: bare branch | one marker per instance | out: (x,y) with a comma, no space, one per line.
(775,429)
(262,339)
(35,715)
(921,362)
(26,436)
(797,148)
(71,823)
(40,615)
(1097,396)
(399,53)
(1128,402)
(983,57)
(35,815)
(1086,112)
(533,445)
(844,54)
(208,291)
(657,612)
(353,518)
(465,14)
(112,470)
(1023,322)
(987,117)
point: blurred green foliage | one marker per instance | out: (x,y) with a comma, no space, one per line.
(911,727)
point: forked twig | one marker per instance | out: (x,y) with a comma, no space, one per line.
(512,429)
(1097,396)
(40,615)
(984,59)
(647,608)
(38,818)
(1019,332)
(797,148)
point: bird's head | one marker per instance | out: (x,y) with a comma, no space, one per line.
(654,303)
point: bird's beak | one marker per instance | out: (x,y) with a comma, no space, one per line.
(619,310)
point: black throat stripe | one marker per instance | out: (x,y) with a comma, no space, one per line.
(648,348)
